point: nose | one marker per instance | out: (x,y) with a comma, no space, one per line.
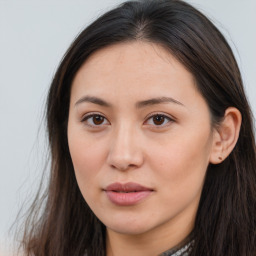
(124,149)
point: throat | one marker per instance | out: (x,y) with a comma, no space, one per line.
(138,245)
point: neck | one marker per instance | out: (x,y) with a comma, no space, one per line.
(150,243)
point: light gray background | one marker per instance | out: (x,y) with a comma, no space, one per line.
(33,37)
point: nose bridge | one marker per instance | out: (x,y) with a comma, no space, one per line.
(124,150)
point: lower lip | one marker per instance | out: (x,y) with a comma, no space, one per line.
(126,199)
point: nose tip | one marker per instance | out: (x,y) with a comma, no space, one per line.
(125,157)
(125,152)
(123,166)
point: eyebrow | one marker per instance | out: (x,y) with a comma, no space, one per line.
(155,101)
(140,104)
(94,100)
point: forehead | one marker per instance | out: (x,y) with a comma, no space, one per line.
(133,69)
(128,56)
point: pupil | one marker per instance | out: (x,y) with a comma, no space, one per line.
(158,119)
(97,120)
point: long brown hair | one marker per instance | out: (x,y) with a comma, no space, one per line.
(61,223)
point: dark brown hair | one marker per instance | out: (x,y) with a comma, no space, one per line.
(226,219)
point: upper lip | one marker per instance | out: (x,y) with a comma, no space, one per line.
(127,187)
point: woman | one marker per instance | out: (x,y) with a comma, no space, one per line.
(151,139)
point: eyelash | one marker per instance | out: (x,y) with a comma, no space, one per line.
(167,120)
(91,115)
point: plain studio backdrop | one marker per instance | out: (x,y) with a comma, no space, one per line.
(34,35)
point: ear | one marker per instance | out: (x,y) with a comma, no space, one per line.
(225,135)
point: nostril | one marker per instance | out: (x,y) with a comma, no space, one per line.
(124,167)
(124,156)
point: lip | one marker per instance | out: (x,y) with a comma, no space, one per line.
(127,194)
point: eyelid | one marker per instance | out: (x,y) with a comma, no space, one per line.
(170,119)
(167,116)
(86,116)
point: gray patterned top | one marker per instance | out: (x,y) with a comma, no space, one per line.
(181,251)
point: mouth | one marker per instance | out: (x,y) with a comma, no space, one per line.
(127,194)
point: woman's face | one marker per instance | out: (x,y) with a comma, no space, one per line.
(140,139)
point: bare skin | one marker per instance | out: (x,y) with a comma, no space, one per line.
(118,134)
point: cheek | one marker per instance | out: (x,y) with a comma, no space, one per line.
(87,164)
(181,163)
(87,158)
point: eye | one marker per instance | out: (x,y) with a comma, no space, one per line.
(159,120)
(94,120)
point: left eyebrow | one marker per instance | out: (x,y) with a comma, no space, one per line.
(155,101)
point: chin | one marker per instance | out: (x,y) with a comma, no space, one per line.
(129,228)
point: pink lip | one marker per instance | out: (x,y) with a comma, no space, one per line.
(127,194)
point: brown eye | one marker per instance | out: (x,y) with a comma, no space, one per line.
(158,119)
(97,119)
(94,120)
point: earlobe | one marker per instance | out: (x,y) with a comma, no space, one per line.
(225,136)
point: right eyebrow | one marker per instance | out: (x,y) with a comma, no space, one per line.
(94,100)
